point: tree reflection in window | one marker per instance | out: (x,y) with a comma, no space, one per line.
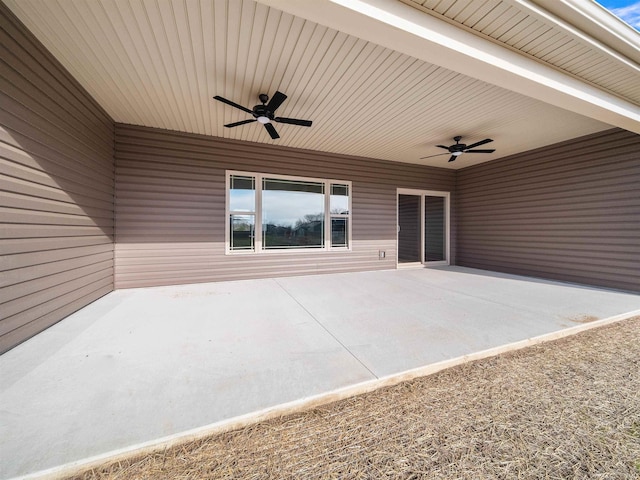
(242,232)
(292,214)
(267,212)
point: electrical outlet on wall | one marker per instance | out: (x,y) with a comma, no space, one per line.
(382,254)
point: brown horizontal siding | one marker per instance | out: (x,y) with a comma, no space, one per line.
(170,195)
(57,187)
(176,266)
(569,211)
(40,300)
(45,315)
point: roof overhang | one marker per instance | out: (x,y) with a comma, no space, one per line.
(395,25)
(590,19)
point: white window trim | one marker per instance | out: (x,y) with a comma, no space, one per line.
(447,209)
(258,250)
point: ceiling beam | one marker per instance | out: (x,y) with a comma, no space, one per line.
(395,25)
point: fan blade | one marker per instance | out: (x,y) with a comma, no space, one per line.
(242,122)
(477,144)
(479,151)
(453,157)
(293,121)
(436,155)
(442,146)
(233,104)
(276,101)
(272,130)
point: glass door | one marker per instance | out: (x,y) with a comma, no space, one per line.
(409,237)
(423,227)
(435,229)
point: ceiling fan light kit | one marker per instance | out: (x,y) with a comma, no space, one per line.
(265,113)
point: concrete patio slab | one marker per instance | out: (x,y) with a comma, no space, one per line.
(142,364)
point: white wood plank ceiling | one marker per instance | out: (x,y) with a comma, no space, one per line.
(506,22)
(158,63)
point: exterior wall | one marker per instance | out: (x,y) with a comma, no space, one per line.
(57,182)
(570,211)
(170,207)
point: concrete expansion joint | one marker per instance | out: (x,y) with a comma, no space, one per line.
(284,289)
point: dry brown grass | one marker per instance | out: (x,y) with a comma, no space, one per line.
(564,409)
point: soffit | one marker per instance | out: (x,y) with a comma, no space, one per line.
(159,63)
(521,25)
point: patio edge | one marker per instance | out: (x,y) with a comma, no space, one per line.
(297,406)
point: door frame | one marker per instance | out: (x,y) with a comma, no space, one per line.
(447,208)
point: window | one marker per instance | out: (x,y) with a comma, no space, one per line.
(292,214)
(268,212)
(242,214)
(339,213)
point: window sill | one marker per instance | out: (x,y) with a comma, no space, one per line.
(319,251)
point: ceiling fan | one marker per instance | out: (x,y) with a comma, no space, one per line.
(460,148)
(265,113)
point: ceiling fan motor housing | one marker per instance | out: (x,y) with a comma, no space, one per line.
(262,111)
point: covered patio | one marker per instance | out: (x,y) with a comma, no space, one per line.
(144,366)
(157,260)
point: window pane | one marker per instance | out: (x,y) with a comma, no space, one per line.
(292,186)
(242,230)
(242,194)
(339,199)
(339,237)
(292,214)
(434,229)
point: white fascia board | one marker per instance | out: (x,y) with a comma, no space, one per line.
(402,28)
(596,21)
